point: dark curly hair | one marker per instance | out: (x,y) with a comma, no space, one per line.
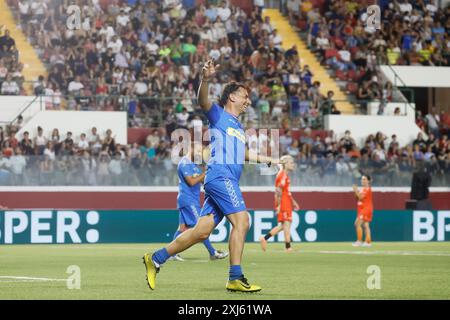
(229,89)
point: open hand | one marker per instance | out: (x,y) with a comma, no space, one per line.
(209,69)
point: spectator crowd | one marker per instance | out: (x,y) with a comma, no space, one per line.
(11,78)
(322,158)
(344,38)
(145,57)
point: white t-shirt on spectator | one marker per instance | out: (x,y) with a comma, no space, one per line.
(152,48)
(122,20)
(17,164)
(108,31)
(268,27)
(323,42)
(276,40)
(49,153)
(219,31)
(83,144)
(3,72)
(431,8)
(24,7)
(115,167)
(121,60)
(258,3)
(93,137)
(215,54)
(10,87)
(140,88)
(380,153)
(224,13)
(215,89)
(182,119)
(38,8)
(285,141)
(341,168)
(405,7)
(168,3)
(226,51)
(115,45)
(345,55)
(48,92)
(75,86)
(293,5)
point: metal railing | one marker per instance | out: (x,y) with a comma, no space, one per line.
(151,111)
(144,170)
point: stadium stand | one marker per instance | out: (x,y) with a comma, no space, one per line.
(131,57)
(145,58)
(413,33)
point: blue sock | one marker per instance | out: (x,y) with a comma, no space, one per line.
(209,246)
(235,272)
(176,234)
(161,256)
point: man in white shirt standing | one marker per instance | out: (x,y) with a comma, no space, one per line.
(75,85)
(17,164)
(83,144)
(115,44)
(122,19)
(224,12)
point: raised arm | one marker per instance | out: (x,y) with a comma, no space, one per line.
(208,71)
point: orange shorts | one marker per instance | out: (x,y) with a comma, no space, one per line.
(285,215)
(365,216)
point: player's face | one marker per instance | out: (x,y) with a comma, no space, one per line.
(290,165)
(242,100)
(364,181)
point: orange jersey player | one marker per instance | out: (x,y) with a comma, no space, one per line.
(364,212)
(284,203)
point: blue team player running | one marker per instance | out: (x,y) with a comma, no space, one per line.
(190,177)
(223,196)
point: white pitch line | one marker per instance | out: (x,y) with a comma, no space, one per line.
(27,279)
(395,253)
(368,252)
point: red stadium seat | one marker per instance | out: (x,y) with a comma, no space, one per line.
(352,87)
(352,75)
(330,53)
(341,75)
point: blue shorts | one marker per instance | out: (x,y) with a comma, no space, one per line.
(189,215)
(222,197)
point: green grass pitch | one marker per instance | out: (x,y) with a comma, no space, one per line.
(313,271)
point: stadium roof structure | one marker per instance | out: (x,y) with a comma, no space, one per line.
(418,76)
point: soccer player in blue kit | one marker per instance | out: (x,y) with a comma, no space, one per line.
(190,177)
(223,197)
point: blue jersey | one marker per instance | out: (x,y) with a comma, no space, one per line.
(227,145)
(187,195)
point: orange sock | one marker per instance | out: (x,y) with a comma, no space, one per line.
(359,233)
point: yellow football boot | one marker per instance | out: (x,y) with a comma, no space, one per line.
(151,269)
(242,285)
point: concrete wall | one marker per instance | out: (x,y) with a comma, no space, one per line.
(389,109)
(12,106)
(361,126)
(418,76)
(78,122)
